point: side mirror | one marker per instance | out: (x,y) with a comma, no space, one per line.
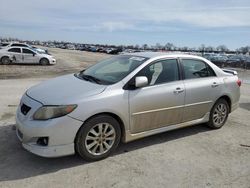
(141,81)
(34,54)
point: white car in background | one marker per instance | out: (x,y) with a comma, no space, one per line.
(25,55)
(17,44)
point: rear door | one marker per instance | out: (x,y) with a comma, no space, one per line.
(15,55)
(161,102)
(202,88)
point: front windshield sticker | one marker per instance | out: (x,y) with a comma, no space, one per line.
(137,58)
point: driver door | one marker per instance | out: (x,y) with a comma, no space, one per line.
(29,56)
(160,103)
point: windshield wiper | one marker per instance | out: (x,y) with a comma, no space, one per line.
(90,78)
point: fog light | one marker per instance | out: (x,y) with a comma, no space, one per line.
(43,141)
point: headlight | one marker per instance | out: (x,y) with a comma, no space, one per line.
(49,112)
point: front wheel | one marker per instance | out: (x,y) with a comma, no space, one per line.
(44,61)
(219,114)
(98,138)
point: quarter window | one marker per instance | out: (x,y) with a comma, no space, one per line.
(15,50)
(161,72)
(196,69)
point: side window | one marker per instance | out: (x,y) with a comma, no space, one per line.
(15,50)
(161,72)
(196,69)
(27,51)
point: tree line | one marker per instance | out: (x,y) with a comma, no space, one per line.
(167,47)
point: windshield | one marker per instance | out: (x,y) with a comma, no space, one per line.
(112,70)
(37,51)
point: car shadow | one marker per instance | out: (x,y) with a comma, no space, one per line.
(17,163)
(245,106)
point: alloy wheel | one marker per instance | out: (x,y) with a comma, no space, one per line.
(220,114)
(100,138)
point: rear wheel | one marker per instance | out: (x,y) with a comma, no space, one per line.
(219,114)
(5,60)
(98,138)
(44,61)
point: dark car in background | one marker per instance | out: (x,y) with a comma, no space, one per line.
(4,44)
(235,61)
(219,60)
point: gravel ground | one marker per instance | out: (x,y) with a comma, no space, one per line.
(191,157)
(68,61)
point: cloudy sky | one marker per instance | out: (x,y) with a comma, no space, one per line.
(183,22)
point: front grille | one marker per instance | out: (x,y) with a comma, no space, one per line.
(25,109)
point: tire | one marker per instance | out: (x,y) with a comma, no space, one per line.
(98,138)
(44,61)
(5,60)
(218,114)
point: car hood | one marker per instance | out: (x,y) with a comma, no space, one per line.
(63,90)
(46,55)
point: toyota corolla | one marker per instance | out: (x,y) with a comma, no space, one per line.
(121,99)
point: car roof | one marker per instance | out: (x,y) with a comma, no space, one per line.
(23,47)
(162,54)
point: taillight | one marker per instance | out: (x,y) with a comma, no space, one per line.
(239,82)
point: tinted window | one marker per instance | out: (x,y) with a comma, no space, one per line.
(21,45)
(16,50)
(4,44)
(27,51)
(161,72)
(196,69)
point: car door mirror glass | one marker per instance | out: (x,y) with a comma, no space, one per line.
(141,81)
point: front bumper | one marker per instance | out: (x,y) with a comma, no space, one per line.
(52,151)
(52,61)
(61,132)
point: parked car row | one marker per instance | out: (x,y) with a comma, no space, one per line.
(92,48)
(19,53)
(223,60)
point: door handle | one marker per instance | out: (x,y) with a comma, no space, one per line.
(215,84)
(178,90)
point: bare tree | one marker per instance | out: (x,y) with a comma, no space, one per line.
(222,48)
(169,46)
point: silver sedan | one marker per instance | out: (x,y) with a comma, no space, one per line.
(121,99)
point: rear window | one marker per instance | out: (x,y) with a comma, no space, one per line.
(15,50)
(21,45)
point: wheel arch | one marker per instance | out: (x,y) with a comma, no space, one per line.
(44,58)
(228,99)
(113,115)
(4,57)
